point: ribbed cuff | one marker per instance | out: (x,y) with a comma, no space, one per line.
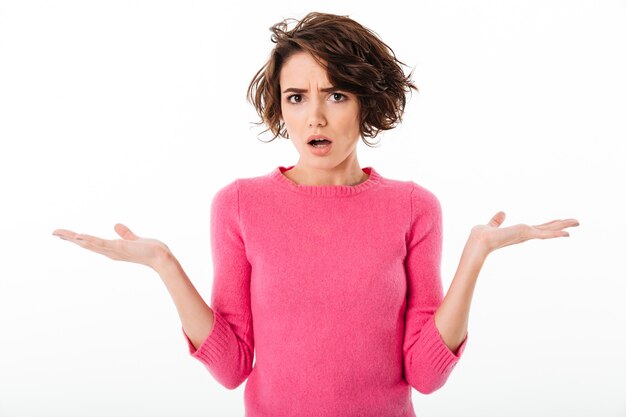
(215,345)
(436,351)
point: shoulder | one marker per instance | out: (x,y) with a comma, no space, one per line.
(423,201)
(419,193)
(231,192)
(250,184)
(226,196)
(417,198)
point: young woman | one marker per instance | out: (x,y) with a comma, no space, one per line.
(328,272)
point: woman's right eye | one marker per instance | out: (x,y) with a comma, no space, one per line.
(294,95)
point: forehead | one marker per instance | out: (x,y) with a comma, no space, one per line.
(302,68)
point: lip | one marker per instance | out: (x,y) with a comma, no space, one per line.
(318,137)
(323,151)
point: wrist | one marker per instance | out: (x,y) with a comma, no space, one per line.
(476,248)
(163,261)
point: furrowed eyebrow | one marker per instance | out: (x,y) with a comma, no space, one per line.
(302,90)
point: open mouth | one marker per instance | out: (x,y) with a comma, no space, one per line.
(320,143)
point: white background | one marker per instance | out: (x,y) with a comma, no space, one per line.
(135,112)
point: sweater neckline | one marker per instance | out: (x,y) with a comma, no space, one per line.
(326,190)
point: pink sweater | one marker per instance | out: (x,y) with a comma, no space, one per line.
(335,288)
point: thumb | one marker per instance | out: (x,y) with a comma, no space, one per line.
(125,232)
(497,220)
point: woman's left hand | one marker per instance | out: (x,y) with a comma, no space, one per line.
(492,237)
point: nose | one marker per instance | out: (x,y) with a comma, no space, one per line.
(316,115)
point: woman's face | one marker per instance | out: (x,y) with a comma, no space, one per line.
(311,106)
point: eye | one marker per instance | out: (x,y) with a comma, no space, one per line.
(337,97)
(343,97)
(294,95)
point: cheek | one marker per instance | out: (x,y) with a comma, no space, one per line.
(290,115)
(350,121)
(352,115)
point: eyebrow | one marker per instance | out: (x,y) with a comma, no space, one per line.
(302,90)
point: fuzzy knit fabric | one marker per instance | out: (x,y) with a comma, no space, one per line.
(334,288)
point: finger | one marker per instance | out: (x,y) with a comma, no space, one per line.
(558,224)
(63,233)
(547,224)
(104,247)
(547,233)
(497,220)
(93,242)
(125,232)
(106,250)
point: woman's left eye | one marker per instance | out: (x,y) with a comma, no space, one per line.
(342,96)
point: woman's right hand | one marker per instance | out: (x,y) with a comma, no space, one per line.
(130,248)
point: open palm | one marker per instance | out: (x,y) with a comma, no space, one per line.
(131,248)
(493,237)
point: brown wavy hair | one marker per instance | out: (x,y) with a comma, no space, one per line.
(356,60)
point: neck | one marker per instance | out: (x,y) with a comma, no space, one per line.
(313,176)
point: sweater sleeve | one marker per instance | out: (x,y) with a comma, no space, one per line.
(228,350)
(427,359)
